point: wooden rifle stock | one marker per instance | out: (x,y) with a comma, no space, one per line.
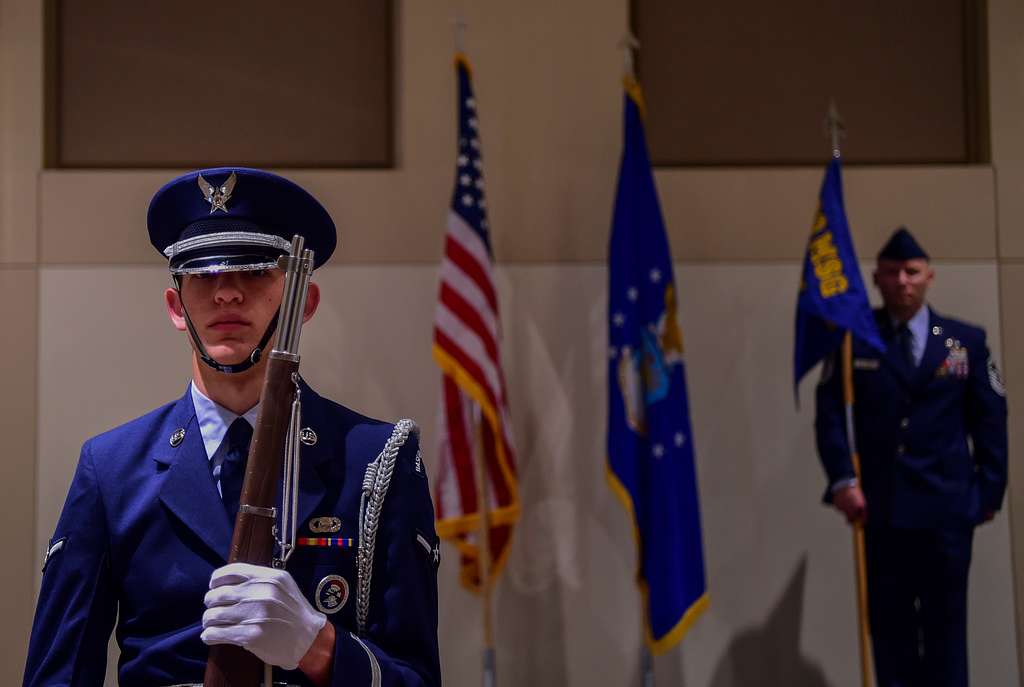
(253,538)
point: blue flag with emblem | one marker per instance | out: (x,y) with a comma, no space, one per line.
(650,444)
(832,297)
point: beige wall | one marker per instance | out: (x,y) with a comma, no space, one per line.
(1006,67)
(20,159)
(778,563)
(566,608)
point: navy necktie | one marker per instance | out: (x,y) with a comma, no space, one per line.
(906,342)
(232,469)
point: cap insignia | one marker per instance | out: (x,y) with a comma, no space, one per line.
(217,197)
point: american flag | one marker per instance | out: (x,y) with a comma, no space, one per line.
(474,421)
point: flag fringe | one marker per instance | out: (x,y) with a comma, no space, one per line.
(656,645)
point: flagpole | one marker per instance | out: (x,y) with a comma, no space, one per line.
(836,131)
(484,559)
(646,667)
(484,555)
(858,527)
(628,44)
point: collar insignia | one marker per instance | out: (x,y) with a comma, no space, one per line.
(217,197)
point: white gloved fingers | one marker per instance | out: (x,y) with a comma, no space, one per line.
(222,616)
(224,596)
(237,581)
(235,573)
(258,593)
(262,610)
(239,635)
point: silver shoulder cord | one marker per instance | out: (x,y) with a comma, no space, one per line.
(376,482)
(375,487)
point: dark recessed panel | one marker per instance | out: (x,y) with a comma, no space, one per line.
(748,82)
(169,84)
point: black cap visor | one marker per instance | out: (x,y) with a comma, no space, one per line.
(226,252)
(215,264)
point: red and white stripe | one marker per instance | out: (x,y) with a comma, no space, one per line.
(474,423)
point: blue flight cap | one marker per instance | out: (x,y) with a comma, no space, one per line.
(902,246)
(233,219)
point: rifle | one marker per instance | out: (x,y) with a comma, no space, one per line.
(274,448)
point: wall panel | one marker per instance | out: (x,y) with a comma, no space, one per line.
(19,306)
(749,83)
(711,215)
(566,609)
(21,126)
(158,85)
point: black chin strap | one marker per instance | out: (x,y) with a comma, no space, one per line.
(254,356)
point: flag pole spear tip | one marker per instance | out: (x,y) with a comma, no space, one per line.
(629,43)
(460,32)
(835,127)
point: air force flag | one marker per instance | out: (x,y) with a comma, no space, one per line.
(650,443)
(832,298)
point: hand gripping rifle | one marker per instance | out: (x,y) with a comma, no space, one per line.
(274,449)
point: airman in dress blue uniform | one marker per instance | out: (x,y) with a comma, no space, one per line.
(141,544)
(930,427)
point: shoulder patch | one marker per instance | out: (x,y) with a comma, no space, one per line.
(432,551)
(55,547)
(994,380)
(418,465)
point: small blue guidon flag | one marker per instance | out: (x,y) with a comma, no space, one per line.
(832,297)
(650,442)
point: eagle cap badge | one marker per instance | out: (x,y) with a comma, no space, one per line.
(217,197)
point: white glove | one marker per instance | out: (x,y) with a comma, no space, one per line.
(262,610)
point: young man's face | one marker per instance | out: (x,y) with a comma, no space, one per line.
(231,311)
(903,285)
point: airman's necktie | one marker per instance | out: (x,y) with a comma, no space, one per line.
(906,343)
(232,470)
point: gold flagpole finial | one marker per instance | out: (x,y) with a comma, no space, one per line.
(460,32)
(629,44)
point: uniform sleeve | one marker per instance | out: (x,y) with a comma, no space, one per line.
(986,423)
(830,425)
(77,606)
(400,645)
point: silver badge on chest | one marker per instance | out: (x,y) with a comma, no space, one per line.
(331,594)
(325,524)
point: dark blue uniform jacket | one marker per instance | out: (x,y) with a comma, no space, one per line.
(144,527)
(932,440)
